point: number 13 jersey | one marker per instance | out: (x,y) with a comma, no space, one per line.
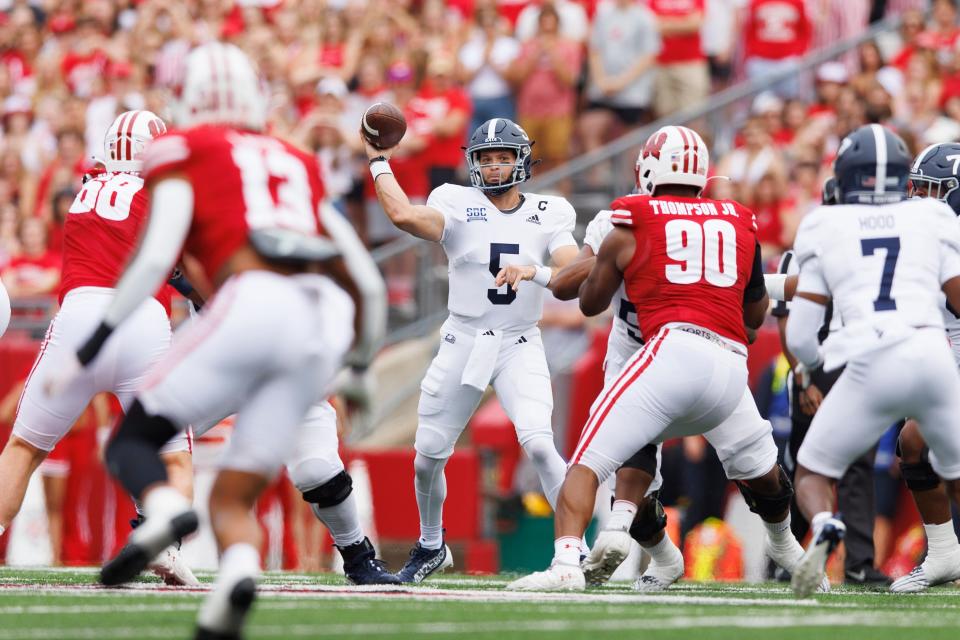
(693,260)
(242,181)
(479,240)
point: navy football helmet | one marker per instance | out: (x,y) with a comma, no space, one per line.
(500,133)
(872,167)
(828,195)
(934,174)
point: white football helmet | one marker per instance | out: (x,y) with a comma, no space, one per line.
(672,155)
(221,86)
(127,136)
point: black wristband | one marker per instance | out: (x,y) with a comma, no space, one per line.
(379,159)
(92,346)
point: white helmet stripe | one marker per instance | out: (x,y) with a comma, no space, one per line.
(881,141)
(920,158)
(128,142)
(492,129)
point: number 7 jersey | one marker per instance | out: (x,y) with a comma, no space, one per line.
(882,265)
(479,240)
(693,260)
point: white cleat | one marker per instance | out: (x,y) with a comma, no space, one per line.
(929,574)
(659,577)
(559,577)
(788,556)
(609,550)
(809,574)
(172,569)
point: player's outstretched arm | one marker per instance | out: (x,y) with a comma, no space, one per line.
(171,211)
(418,220)
(607,273)
(565,284)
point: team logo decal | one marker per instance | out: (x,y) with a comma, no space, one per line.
(476,213)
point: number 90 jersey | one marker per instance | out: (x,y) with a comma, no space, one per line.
(242,181)
(693,260)
(883,266)
(479,240)
(101,233)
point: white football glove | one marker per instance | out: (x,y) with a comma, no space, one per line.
(597,230)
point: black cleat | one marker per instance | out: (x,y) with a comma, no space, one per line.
(867,576)
(361,565)
(241,599)
(138,553)
(425,562)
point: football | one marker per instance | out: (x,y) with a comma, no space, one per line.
(383,125)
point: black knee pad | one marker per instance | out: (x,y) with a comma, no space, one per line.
(133,454)
(644,460)
(332,492)
(919,476)
(772,505)
(650,520)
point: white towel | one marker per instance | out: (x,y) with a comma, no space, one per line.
(482,360)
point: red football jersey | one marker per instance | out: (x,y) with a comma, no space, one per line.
(241,181)
(693,260)
(102,231)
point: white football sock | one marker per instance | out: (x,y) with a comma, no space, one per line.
(779,532)
(941,539)
(550,467)
(164,501)
(621,515)
(431,489)
(239,561)
(566,550)
(342,520)
(664,552)
(816,523)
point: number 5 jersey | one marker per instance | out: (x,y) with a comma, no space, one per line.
(479,240)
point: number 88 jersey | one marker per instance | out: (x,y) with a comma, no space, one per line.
(242,181)
(693,260)
(101,233)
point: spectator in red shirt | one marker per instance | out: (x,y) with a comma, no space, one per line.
(85,59)
(449,109)
(769,207)
(545,74)
(683,79)
(776,35)
(36,271)
(944,32)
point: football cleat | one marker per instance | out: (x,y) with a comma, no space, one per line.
(171,568)
(230,610)
(810,571)
(610,549)
(424,562)
(145,543)
(361,565)
(559,577)
(659,576)
(867,576)
(929,574)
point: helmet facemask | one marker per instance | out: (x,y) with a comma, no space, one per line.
(518,174)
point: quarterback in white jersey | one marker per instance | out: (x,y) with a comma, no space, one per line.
(491,336)
(883,260)
(744,444)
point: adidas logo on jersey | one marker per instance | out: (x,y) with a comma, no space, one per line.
(535,219)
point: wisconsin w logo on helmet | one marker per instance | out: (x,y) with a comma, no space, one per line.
(672,155)
(126,138)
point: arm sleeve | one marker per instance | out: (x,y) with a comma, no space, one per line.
(171,213)
(806,318)
(756,287)
(564,234)
(811,278)
(368,280)
(788,267)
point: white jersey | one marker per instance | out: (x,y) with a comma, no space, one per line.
(951,320)
(883,266)
(625,337)
(479,240)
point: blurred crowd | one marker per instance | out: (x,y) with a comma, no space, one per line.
(574,73)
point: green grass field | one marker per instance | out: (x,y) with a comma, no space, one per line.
(65,605)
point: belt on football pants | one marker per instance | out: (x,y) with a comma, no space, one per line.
(712,337)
